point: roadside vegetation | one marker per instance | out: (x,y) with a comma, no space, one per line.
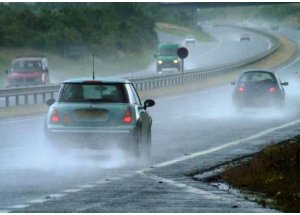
(122,36)
(273,15)
(184,31)
(273,172)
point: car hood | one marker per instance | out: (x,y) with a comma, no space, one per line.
(167,58)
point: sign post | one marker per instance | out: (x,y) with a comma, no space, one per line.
(182,53)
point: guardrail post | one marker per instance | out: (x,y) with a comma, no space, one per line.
(17,100)
(35,98)
(44,97)
(26,99)
(6,101)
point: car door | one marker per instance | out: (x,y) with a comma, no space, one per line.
(143,117)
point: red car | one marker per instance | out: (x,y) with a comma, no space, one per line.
(28,71)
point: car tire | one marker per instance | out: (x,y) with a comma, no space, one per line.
(145,146)
(133,146)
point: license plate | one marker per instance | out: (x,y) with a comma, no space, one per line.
(91,114)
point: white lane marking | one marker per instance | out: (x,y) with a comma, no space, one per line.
(64,193)
(37,201)
(72,190)
(86,186)
(99,182)
(20,206)
(291,64)
(11,121)
(226,145)
(56,195)
(205,194)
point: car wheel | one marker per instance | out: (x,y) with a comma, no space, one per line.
(134,145)
(146,146)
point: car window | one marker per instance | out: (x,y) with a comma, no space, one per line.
(27,65)
(108,93)
(257,77)
(134,98)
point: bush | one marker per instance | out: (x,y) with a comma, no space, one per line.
(111,28)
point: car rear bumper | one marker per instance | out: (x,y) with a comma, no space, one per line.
(91,137)
(259,102)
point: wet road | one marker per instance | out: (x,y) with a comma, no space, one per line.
(191,132)
(226,48)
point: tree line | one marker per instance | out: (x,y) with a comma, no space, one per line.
(106,28)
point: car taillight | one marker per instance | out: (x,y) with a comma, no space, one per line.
(54,116)
(241,89)
(272,89)
(127,118)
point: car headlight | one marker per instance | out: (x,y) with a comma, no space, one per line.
(175,61)
(160,62)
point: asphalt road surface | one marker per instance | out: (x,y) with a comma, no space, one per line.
(192,132)
(227,48)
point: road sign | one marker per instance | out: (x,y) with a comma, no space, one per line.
(182,52)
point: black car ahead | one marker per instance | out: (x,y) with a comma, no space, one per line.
(258,88)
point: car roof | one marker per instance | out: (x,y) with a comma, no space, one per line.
(190,36)
(109,80)
(28,58)
(258,70)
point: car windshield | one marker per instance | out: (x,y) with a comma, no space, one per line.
(24,66)
(167,51)
(108,93)
(257,77)
(189,37)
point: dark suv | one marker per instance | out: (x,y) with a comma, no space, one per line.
(26,71)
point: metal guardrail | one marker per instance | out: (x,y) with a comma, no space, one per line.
(39,94)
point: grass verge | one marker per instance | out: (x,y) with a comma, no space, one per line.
(274,172)
(183,32)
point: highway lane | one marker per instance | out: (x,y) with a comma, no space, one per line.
(225,49)
(183,124)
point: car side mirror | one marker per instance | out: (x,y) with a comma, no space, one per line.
(148,103)
(50,102)
(285,83)
(233,83)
